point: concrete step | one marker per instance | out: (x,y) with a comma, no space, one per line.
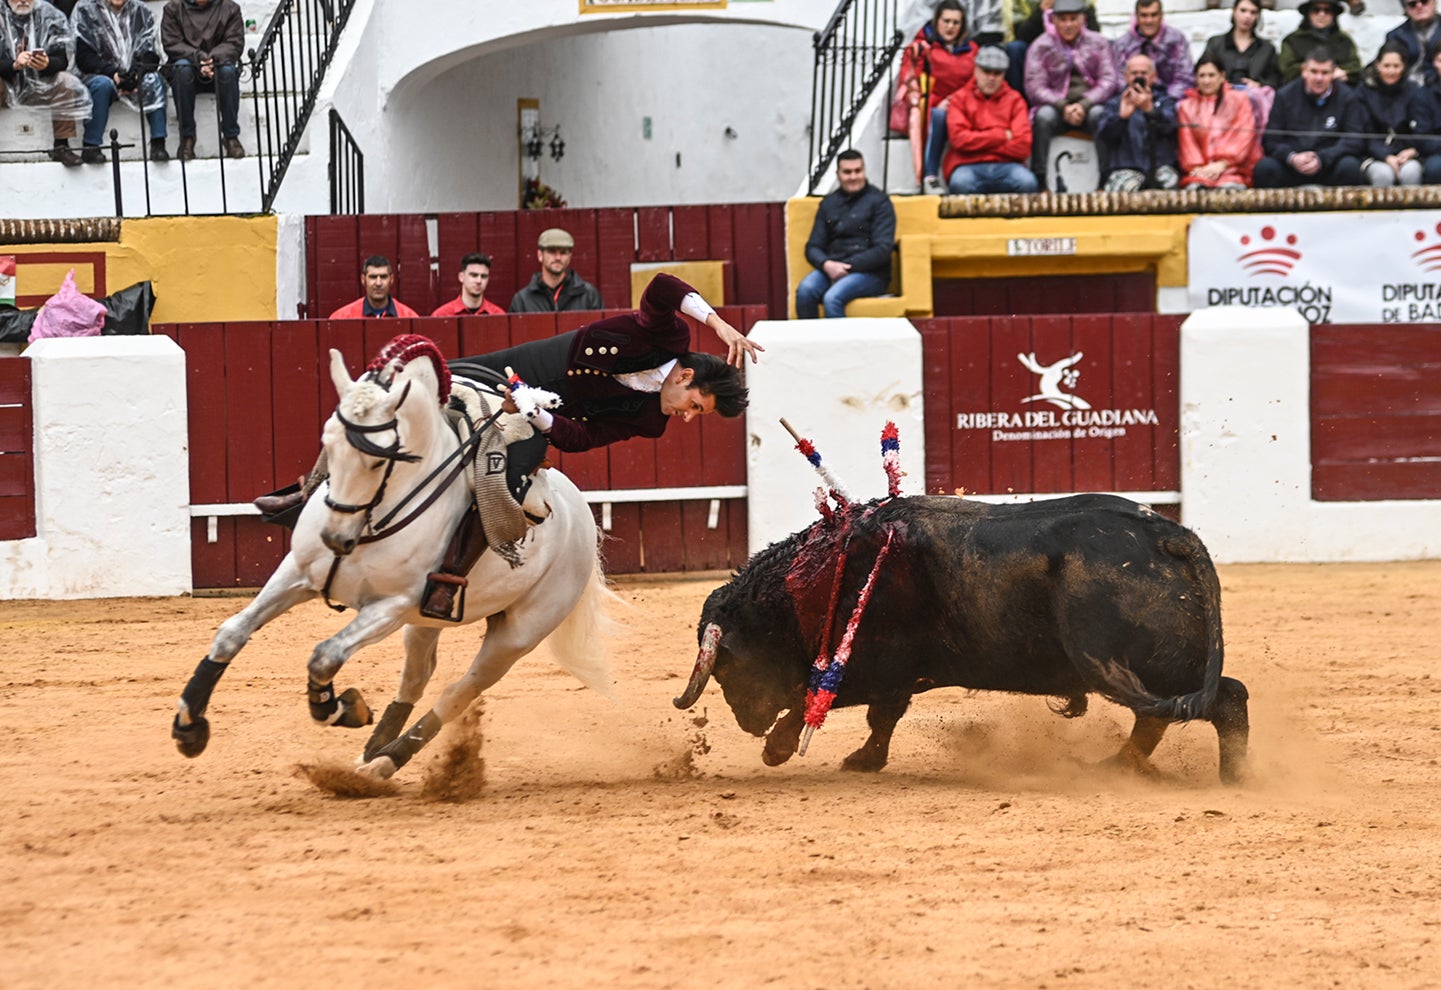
(24,130)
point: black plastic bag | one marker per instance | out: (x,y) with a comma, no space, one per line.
(15,324)
(126,312)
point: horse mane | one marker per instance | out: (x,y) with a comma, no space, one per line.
(407,347)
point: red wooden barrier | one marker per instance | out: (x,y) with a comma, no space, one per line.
(751,236)
(17,459)
(1375,412)
(1051,403)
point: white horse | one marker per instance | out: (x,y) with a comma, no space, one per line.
(389,444)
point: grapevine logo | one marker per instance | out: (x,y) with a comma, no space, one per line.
(1053,376)
(1075,420)
(1270,256)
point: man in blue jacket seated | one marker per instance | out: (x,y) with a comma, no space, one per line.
(850,244)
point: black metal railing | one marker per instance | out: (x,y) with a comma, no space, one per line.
(853,53)
(286,70)
(347,169)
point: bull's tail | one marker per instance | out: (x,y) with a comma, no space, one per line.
(1118,684)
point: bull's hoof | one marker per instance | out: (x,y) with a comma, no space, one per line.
(864,761)
(354,712)
(191,739)
(774,756)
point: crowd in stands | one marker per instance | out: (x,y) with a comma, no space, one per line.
(73,59)
(982,103)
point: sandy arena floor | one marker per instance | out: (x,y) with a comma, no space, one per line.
(624,845)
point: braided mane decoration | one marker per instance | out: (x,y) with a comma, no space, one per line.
(406,347)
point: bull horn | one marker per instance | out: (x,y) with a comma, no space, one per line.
(704,664)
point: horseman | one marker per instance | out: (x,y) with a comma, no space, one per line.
(620,377)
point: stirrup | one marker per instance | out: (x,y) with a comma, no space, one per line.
(444,594)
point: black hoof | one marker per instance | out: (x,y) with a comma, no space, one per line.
(354,712)
(191,739)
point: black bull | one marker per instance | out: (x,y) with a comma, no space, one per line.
(1062,598)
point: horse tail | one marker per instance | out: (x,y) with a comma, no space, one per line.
(578,643)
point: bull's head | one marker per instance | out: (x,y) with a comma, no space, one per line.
(761,671)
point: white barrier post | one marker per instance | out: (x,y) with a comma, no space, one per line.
(837,382)
(111,472)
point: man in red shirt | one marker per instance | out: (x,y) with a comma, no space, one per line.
(375,278)
(988,133)
(474,277)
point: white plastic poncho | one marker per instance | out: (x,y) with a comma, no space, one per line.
(41,26)
(126,39)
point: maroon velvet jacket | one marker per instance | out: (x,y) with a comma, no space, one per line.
(597,410)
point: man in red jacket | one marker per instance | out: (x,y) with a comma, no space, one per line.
(474,278)
(375,278)
(988,126)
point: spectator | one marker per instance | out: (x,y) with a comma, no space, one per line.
(1415,36)
(938,62)
(203,41)
(1216,138)
(1028,22)
(1138,132)
(556,287)
(1069,75)
(1388,110)
(474,277)
(34,54)
(118,51)
(1318,30)
(1167,48)
(375,278)
(1247,58)
(850,244)
(1305,141)
(989,132)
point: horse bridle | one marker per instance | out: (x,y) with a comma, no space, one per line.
(358,436)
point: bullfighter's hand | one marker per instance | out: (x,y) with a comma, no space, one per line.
(737,345)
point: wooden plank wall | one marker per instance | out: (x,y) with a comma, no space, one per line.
(1130,361)
(1046,294)
(1375,412)
(259,392)
(17,458)
(751,236)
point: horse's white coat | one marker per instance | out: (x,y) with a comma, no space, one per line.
(558,588)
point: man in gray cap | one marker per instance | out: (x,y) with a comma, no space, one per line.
(555,287)
(988,132)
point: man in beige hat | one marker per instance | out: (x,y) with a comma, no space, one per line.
(555,287)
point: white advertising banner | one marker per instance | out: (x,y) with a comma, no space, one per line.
(1382,267)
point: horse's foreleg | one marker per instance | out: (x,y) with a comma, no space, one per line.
(420,644)
(371,624)
(286,588)
(506,641)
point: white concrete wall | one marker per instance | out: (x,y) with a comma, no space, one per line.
(836,382)
(1246,452)
(112,485)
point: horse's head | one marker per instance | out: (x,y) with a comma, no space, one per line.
(386,419)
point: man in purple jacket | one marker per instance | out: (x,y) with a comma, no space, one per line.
(1070,74)
(1165,46)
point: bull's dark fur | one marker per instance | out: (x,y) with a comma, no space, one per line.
(1064,598)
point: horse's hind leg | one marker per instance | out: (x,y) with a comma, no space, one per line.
(371,624)
(506,641)
(1135,752)
(1233,728)
(420,644)
(285,589)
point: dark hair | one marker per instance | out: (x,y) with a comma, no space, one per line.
(849,155)
(1214,63)
(713,377)
(474,258)
(1147,3)
(1259,13)
(949,5)
(376,261)
(1320,54)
